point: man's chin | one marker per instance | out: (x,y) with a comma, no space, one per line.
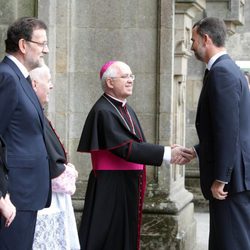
(198,57)
(37,64)
(40,62)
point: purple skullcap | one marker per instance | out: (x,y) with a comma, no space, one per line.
(105,67)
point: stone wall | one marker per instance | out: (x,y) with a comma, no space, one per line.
(82,36)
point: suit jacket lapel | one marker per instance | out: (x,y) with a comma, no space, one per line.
(223,57)
(33,97)
(27,89)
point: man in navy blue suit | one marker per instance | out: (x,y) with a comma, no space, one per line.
(22,128)
(223,128)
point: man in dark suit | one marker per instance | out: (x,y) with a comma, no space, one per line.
(223,128)
(7,209)
(22,128)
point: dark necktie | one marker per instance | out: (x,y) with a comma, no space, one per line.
(205,76)
(29,80)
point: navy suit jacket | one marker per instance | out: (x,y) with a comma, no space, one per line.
(22,127)
(223,128)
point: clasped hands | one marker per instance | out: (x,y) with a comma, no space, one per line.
(181,155)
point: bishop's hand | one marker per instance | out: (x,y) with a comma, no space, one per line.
(181,155)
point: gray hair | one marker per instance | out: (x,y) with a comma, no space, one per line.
(110,72)
(214,27)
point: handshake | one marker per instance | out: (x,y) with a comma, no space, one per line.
(181,155)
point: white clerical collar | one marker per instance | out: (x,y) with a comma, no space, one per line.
(18,64)
(123,102)
(214,58)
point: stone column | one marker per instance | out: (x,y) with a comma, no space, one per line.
(168,221)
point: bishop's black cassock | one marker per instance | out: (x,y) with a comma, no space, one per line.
(113,203)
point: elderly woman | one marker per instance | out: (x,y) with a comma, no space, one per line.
(56,225)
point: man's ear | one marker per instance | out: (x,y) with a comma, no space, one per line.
(207,39)
(22,45)
(34,85)
(110,83)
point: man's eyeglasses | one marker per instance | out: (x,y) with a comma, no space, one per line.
(43,44)
(127,76)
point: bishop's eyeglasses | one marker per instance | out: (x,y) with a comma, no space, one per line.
(127,76)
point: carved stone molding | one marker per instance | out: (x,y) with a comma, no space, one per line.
(189,7)
(232,11)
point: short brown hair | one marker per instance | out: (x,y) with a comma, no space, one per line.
(22,28)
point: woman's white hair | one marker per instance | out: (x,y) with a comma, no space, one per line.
(39,72)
